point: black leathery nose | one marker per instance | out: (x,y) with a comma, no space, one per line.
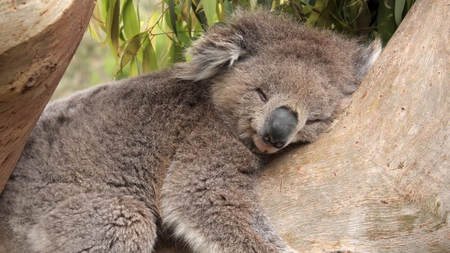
(279,127)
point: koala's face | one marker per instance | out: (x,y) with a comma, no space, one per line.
(273,101)
(275,82)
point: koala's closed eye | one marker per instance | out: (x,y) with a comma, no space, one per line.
(262,95)
(313,121)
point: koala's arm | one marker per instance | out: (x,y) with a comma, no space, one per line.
(209,198)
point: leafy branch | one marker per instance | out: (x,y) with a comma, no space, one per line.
(143,45)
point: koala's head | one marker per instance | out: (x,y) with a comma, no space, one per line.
(276,82)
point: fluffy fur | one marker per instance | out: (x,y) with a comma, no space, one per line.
(179,150)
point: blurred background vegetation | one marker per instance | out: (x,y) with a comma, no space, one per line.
(131,37)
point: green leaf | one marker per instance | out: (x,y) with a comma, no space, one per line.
(267,4)
(209,8)
(134,68)
(200,15)
(172,54)
(227,9)
(112,25)
(131,49)
(161,41)
(186,15)
(308,4)
(184,38)
(149,62)
(385,19)
(409,4)
(398,11)
(173,16)
(104,8)
(130,20)
(97,23)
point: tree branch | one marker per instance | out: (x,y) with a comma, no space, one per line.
(38,41)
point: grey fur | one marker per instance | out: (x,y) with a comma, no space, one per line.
(107,168)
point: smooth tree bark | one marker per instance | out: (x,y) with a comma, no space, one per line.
(37,42)
(379,181)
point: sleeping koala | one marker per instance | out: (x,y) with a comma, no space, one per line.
(107,169)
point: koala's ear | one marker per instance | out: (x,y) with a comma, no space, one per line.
(367,57)
(219,48)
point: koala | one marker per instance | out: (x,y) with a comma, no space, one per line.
(111,168)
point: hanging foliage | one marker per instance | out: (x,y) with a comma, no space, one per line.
(143,44)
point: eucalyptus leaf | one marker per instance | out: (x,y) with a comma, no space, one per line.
(385,19)
(153,43)
(112,25)
(200,15)
(209,8)
(130,51)
(173,17)
(134,68)
(130,20)
(149,62)
(398,11)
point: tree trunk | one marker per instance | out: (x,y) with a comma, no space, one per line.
(380,180)
(37,42)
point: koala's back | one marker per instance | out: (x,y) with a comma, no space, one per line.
(114,139)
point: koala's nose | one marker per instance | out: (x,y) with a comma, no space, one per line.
(279,127)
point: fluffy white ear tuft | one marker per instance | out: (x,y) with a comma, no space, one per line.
(218,49)
(368,56)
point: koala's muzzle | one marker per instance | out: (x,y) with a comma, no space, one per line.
(279,127)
